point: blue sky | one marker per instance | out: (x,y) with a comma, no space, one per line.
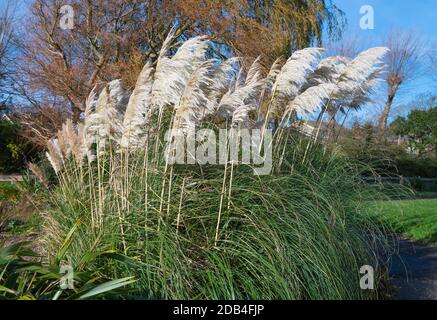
(419,16)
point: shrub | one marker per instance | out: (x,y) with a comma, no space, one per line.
(417,167)
(216,231)
(14,151)
(8,192)
(10,149)
(23,277)
(301,234)
(385,157)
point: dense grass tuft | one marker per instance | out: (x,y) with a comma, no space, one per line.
(301,233)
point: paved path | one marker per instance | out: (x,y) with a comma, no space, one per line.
(414,271)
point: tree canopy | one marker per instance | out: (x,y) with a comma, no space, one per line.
(113,39)
(420,128)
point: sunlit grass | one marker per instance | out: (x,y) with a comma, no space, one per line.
(416,219)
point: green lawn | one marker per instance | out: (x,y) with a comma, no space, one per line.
(415,219)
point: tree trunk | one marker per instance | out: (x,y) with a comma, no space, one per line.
(392,90)
(385,113)
(75,111)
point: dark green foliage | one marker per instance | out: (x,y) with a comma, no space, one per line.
(387,156)
(9,192)
(9,146)
(420,129)
(23,277)
(417,167)
(14,151)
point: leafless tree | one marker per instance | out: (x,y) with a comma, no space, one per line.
(6,43)
(350,45)
(407,51)
(113,39)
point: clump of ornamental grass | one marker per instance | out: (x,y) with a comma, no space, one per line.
(218,231)
(302,233)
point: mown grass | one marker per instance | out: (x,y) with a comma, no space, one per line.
(416,219)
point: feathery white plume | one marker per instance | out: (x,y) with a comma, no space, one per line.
(355,79)
(294,72)
(90,109)
(172,74)
(244,96)
(310,100)
(328,70)
(254,72)
(240,116)
(273,73)
(361,95)
(359,78)
(136,115)
(68,142)
(194,101)
(201,89)
(223,76)
(361,68)
(54,155)
(106,122)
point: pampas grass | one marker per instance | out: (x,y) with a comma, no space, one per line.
(197,92)
(137,111)
(217,231)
